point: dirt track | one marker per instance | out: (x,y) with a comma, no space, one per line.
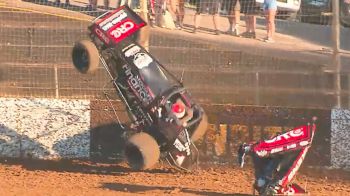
(84,178)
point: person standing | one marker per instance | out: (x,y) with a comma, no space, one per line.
(106,4)
(234,17)
(59,2)
(201,8)
(92,5)
(250,10)
(270,9)
(180,14)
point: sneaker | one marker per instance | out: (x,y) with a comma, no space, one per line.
(217,32)
(236,32)
(233,33)
(269,40)
(253,35)
(244,34)
(248,35)
(194,30)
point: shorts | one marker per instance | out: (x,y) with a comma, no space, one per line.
(233,5)
(270,5)
(249,7)
(212,6)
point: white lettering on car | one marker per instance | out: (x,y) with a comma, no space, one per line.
(304,143)
(112,20)
(142,60)
(287,135)
(277,150)
(261,153)
(291,146)
(179,145)
(180,159)
(124,28)
(102,35)
(132,51)
(137,85)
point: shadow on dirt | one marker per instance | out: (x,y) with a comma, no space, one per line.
(132,188)
(72,166)
(80,166)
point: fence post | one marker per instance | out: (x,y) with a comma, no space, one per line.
(336,48)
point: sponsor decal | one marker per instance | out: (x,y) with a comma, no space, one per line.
(113,20)
(132,51)
(180,159)
(179,145)
(287,135)
(137,85)
(304,143)
(142,60)
(102,35)
(291,146)
(183,147)
(261,153)
(122,29)
(280,149)
(290,191)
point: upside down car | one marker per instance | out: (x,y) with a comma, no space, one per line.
(166,118)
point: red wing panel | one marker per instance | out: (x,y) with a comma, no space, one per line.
(119,25)
(291,140)
(122,30)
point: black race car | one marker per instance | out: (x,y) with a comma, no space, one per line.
(166,119)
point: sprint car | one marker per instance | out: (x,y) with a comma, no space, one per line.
(166,118)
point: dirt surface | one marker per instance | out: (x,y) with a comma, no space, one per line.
(86,178)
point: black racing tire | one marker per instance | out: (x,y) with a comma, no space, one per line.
(85,56)
(201,129)
(142,151)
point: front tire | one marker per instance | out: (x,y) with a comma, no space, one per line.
(85,56)
(142,151)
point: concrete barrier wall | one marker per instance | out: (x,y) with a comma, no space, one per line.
(44,128)
(54,129)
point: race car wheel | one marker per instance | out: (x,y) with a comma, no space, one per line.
(142,151)
(201,129)
(199,132)
(85,56)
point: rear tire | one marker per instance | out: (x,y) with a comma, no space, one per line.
(201,129)
(142,151)
(85,56)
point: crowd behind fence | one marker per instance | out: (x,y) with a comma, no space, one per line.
(35,58)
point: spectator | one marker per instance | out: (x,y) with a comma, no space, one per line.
(58,2)
(106,4)
(234,16)
(164,14)
(201,7)
(180,14)
(270,8)
(92,5)
(250,9)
